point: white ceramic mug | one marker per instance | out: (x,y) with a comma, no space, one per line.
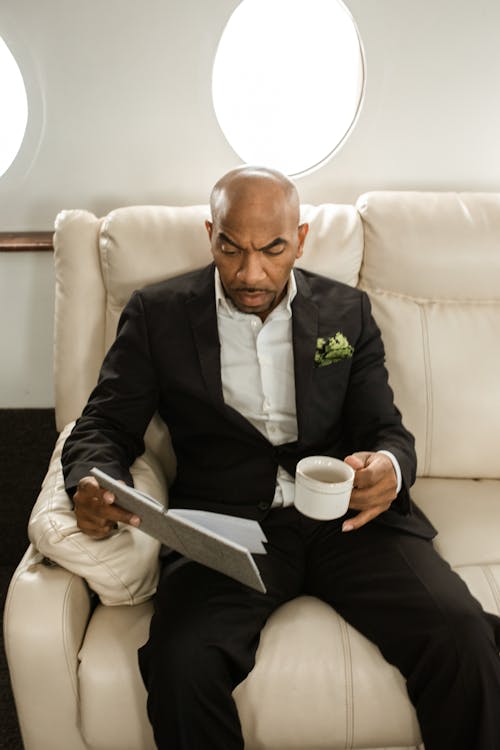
(323,487)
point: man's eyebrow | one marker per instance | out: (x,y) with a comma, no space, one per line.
(277,241)
(224,238)
(274,243)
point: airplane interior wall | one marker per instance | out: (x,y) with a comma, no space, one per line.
(121,113)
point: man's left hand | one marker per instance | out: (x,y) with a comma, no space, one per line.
(374,489)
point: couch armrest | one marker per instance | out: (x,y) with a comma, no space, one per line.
(45,619)
(159,448)
(122,569)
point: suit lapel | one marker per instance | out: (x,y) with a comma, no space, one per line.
(203,316)
(305,334)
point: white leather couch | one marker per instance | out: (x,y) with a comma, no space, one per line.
(431,264)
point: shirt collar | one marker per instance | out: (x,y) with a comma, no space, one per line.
(223,303)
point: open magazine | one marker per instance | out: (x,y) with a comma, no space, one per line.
(224,543)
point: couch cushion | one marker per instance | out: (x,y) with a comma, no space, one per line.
(140,245)
(318,683)
(143,244)
(99,262)
(432,269)
(122,569)
(322,693)
(466,514)
(432,245)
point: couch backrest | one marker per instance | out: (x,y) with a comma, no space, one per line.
(99,262)
(431,265)
(432,269)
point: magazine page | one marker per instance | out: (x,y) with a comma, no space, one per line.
(242,531)
(196,534)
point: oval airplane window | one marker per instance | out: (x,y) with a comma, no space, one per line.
(13,108)
(288,81)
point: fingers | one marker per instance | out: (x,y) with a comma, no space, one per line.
(381,491)
(95,511)
(357,460)
(371,468)
(375,487)
(359,520)
(373,474)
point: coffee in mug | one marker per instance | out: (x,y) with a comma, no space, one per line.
(323,487)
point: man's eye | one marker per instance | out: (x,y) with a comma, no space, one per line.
(275,250)
(228,250)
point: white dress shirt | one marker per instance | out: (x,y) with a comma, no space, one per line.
(258,377)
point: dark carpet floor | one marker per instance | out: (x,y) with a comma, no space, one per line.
(27,437)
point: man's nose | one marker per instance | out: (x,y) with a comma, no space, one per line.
(251,271)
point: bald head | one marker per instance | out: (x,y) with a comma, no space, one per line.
(255,236)
(258,187)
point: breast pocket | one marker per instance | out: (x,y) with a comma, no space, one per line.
(326,395)
(336,370)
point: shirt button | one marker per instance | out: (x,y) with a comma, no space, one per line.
(263,505)
(272,429)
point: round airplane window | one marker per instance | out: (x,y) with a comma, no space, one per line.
(288,81)
(13,108)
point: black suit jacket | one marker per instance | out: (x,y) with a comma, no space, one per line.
(166,357)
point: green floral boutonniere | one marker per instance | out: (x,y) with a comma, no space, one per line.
(332,350)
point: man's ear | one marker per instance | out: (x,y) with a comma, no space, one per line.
(209,227)
(302,232)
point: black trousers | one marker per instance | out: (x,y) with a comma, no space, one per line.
(393,587)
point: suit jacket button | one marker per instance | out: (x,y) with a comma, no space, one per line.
(263,505)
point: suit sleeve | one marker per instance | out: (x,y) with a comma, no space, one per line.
(109,434)
(371,419)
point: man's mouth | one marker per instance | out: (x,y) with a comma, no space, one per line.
(252,297)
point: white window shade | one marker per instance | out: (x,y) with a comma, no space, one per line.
(288,81)
(13,108)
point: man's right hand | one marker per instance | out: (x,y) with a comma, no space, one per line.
(96,513)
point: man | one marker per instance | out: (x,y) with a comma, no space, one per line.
(227,357)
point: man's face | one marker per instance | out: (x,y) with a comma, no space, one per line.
(255,240)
